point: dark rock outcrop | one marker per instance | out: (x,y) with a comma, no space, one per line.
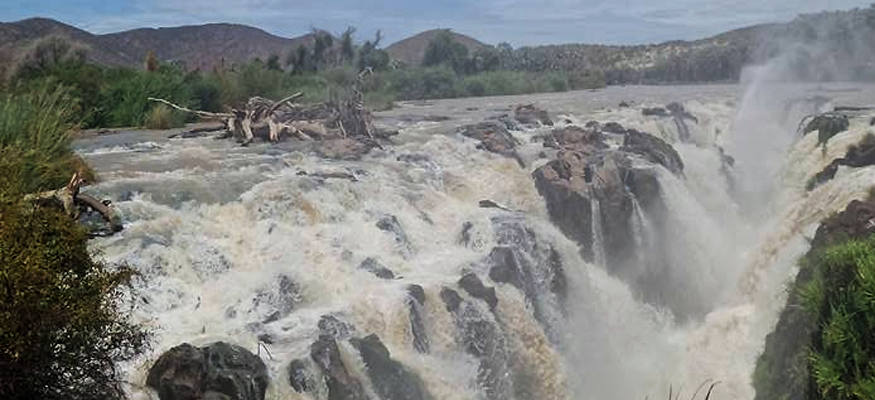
(341,384)
(475,287)
(597,196)
(391,225)
(827,125)
(415,302)
(575,136)
(343,149)
(330,325)
(782,368)
(451,299)
(373,266)
(613,127)
(528,114)
(677,112)
(219,370)
(857,156)
(390,379)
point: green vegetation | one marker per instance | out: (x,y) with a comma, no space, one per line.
(116,97)
(841,297)
(61,332)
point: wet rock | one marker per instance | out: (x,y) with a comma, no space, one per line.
(219,370)
(624,104)
(653,149)
(655,112)
(390,379)
(330,325)
(375,267)
(341,384)
(415,302)
(466,235)
(300,377)
(872,121)
(782,368)
(451,299)
(474,286)
(613,127)
(414,158)
(494,137)
(391,225)
(677,110)
(592,125)
(575,136)
(282,297)
(857,156)
(483,339)
(492,204)
(528,114)
(343,149)
(827,125)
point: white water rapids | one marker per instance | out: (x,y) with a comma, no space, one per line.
(214,228)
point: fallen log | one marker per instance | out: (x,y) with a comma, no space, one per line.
(203,114)
(72,202)
(197,132)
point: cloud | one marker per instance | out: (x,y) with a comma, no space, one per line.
(520,22)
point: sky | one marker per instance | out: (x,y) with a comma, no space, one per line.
(492,21)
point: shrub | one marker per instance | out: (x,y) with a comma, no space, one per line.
(34,131)
(61,333)
(162,117)
(841,297)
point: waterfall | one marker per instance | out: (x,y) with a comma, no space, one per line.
(270,246)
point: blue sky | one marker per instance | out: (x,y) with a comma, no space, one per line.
(516,21)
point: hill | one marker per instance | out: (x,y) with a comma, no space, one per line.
(411,51)
(195,47)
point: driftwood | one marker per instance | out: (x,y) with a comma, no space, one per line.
(72,202)
(346,118)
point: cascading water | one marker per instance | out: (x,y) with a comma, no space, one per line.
(258,246)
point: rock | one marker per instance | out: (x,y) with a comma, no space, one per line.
(300,377)
(782,368)
(416,300)
(391,225)
(592,125)
(827,125)
(465,236)
(375,267)
(624,104)
(872,121)
(492,204)
(329,325)
(528,114)
(483,339)
(613,127)
(653,149)
(494,137)
(677,110)
(282,297)
(343,149)
(341,384)
(857,156)
(655,112)
(575,136)
(451,299)
(390,379)
(219,370)
(474,286)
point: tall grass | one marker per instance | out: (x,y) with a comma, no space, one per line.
(35,142)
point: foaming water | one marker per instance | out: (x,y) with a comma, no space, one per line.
(237,244)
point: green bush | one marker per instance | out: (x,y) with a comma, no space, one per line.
(841,297)
(61,332)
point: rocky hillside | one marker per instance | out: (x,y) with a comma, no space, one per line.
(411,51)
(204,46)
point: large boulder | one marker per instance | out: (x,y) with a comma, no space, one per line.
(390,379)
(827,125)
(219,370)
(857,156)
(653,149)
(494,137)
(782,369)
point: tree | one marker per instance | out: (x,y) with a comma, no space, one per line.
(152,63)
(445,50)
(371,56)
(322,44)
(347,48)
(273,63)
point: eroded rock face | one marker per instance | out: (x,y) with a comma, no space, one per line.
(782,368)
(219,370)
(415,302)
(827,126)
(857,156)
(596,195)
(391,225)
